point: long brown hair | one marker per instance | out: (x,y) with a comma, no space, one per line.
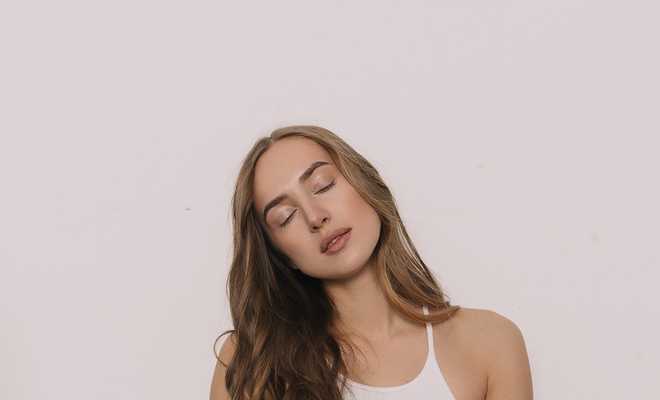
(286,344)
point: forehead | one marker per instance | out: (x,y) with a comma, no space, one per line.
(281,165)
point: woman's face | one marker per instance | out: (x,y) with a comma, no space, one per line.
(312,209)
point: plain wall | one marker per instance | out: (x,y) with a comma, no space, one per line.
(520,140)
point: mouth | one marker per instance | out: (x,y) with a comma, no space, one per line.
(337,242)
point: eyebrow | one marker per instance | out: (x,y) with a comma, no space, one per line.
(302,178)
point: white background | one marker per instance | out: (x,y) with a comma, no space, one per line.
(520,139)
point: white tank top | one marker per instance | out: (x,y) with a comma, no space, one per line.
(428,384)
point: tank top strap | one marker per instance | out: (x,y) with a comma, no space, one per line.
(429,335)
(429,382)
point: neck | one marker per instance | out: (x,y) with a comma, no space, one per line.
(362,307)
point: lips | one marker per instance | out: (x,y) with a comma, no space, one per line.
(326,240)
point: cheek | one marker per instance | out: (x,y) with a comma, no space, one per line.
(369,221)
(357,206)
(296,244)
(362,216)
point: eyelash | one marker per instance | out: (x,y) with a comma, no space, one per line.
(322,190)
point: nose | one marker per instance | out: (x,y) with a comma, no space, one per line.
(317,214)
(317,221)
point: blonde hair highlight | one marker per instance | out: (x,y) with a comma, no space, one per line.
(287,346)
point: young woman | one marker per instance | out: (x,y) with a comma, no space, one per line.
(330,299)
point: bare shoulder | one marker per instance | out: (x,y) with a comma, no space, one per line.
(484,326)
(497,343)
(226,353)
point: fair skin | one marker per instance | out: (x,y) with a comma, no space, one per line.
(482,354)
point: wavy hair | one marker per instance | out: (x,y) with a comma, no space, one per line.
(287,346)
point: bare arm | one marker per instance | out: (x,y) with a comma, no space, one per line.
(218,389)
(509,373)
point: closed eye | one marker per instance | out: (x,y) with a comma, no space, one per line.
(325,189)
(322,190)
